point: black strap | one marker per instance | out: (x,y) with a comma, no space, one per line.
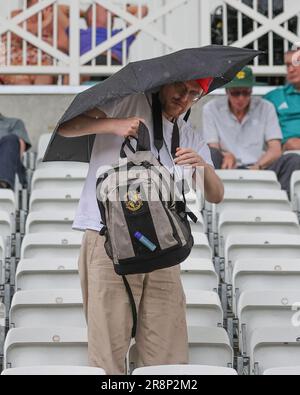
(157,123)
(133,306)
(187,115)
(175,139)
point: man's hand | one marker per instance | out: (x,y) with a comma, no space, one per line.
(254,167)
(126,127)
(229,161)
(188,157)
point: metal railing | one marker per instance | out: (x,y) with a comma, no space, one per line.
(30,44)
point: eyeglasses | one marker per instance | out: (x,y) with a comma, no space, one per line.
(183,91)
(244,93)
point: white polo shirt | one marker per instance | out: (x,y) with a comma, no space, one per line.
(246,140)
(106,151)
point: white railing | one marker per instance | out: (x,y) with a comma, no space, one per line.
(170,25)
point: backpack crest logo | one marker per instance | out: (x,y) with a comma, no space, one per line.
(134,201)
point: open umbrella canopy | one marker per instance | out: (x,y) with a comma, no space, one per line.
(218,62)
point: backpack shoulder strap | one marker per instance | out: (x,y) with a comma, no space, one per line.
(157,122)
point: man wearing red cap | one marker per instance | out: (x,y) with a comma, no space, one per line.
(160,300)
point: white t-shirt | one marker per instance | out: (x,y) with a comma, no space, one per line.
(106,151)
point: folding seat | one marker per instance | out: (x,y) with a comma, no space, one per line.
(203,308)
(7,201)
(2,260)
(209,346)
(292,371)
(45,308)
(255,222)
(259,309)
(27,347)
(44,140)
(54,371)
(47,221)
(258,246)
(42,273)
(181,370)
(51,245)
(242,200)
(295,191)
(275,347)
(2,325)
(60,177)
(249,179)
(6,224)
(201,249)
(268,274)
(55,200)
(199,274)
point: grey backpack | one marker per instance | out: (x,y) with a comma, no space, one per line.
(144,221)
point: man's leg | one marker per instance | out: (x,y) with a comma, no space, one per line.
(162,330)
(9,159)
(284,168)
(106,305)
(217,158)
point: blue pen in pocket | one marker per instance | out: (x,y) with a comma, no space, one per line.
(146,242)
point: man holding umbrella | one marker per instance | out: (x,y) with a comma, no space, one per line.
(161,337)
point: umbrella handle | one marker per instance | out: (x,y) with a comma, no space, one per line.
(143,141)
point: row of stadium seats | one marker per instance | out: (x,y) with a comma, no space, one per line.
(242,276)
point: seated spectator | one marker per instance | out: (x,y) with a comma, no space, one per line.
(31,51)
(287,103)
(243,132)
(101,19)
(14,141)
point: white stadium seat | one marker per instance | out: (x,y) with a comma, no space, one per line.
(271,246)
(249,179)
(47,274)
(272,348)
(259,309)
(62,177)
(7,201)
(254,222)
(2,325)
(46,308)
(47,221)
(55,200)
(201,249)
(54,371)
(291,371)
(44,140)
(199,227)
(181,370)
(268,274)
(295,190)
(203,309)
(209,346)
(199,274)
(2,260)
(6,225)
(51,245)
(244,200)
(27,347)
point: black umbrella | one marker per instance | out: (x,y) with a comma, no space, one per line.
(218,62)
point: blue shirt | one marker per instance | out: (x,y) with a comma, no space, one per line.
(287,104)
(101,36)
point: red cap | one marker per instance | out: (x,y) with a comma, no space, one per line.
(205,83)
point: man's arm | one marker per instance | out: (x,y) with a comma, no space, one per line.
(213,186)
(273,153)
(96,122)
